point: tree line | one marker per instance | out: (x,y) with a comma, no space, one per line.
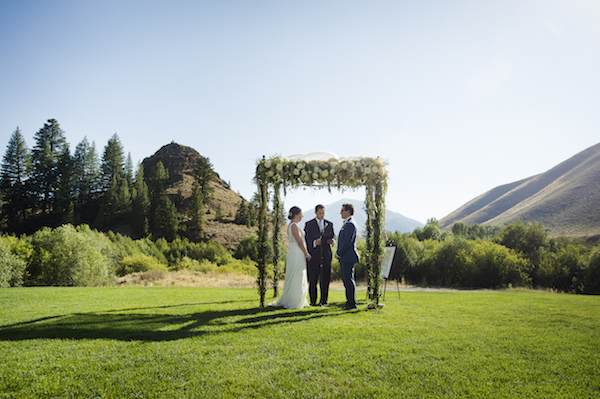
(80,256)
(48,186)
(474,256)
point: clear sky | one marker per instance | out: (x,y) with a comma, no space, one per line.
(457,96)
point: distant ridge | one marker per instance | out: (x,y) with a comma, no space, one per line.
(565,199)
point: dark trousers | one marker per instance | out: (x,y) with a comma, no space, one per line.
(347,270)
(321,274)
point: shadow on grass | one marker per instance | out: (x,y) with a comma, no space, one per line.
(133,325)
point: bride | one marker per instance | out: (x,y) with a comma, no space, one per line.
(295,286)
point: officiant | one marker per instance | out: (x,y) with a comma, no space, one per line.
(319,239)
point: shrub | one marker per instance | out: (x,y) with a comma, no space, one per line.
(12,267)
(67,256)
(591,275)
(248,248)
(138,263)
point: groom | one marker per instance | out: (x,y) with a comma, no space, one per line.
(347,254)
(319,239)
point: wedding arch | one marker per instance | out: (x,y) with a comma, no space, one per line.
(321,170)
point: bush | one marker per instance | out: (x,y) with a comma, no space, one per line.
(67,256)
(248,248)
(12,267)
(458,262)
(591,276)
(138,263)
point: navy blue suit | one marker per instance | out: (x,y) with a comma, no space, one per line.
(319,267)
(348,257)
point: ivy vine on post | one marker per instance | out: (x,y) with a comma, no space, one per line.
(262,237)
(277,224)
(319,172)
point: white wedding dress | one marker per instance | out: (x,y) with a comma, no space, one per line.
(295,286)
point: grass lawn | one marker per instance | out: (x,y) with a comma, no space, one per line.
(185,342)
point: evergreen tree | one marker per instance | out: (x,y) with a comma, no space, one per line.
(64,189)
(163,213)
(50,143)
(13,181)
(129,170)
(140,204)
(113,162)
(241,216)
(86,171)
(167,218)
(196,211)
(117,201)
(204,174)
(157,186)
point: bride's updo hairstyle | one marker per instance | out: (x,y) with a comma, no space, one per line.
(293,212)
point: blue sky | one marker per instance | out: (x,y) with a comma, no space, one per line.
(458,97)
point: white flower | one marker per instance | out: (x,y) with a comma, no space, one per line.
(301,165)
(315,175)
(324,173)
(296,172)
(270,173)
(344,166)
(267,164)
(279,167)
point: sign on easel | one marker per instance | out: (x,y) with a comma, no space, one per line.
(386,263)
(386,268)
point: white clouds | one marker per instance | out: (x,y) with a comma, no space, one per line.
(487,80)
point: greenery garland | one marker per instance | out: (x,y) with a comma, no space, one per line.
(333,173)
(277,224)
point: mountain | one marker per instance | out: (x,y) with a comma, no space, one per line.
(394,221)
(180,161)
(565,199)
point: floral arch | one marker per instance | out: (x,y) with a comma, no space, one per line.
(321,170)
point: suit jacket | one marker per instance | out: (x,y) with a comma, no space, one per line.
(312,233)
(347,242)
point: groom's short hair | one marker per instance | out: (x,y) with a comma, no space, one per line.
(349,207)
(319,207)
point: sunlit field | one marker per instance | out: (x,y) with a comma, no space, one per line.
(166,342)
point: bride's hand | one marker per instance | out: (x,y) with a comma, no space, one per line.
(308,257)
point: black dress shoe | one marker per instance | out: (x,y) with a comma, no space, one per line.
(350,307)
(313,304)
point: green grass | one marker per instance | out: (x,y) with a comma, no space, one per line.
(213,342)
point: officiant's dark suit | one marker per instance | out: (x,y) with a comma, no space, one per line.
(319,236)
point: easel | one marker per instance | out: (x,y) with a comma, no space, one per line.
(386,268)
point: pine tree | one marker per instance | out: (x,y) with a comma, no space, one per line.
(113,162)
(167,218)
(86,171)
(241,215)
(196,211)
(140,204)
(157,186)
(50,143)
(129,170)
(64,190)
(204,174)
(13,181)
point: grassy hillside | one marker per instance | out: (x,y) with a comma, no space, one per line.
(216,343)
(564,199)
